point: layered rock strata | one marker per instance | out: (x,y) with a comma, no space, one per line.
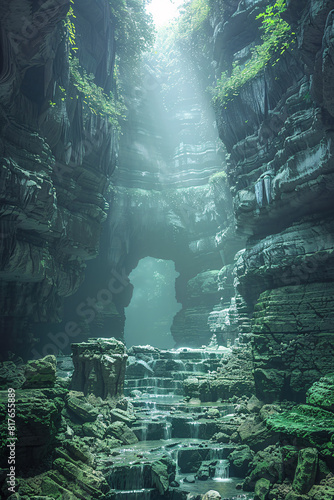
(278,132)
(99,367)
(56,158)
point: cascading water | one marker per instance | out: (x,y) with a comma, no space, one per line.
(194,429)
(222,470)
(167,426)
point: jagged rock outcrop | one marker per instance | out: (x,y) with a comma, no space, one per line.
(56,159)
(99,367)
(278,133)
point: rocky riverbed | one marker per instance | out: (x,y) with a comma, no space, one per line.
(156,438)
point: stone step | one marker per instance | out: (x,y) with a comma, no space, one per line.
(159,383)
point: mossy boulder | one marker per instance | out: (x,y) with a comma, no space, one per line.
(95,429)
(190,460)
(240,459)
(163,473)
(322,393)
(255,433)
(11,375)
(122,415)
(83,410)
(261,490)
(122,432)
(83,476)
(311,425)
(40,373)
(37,421)
(205,471)
(290,459)
(267,464)
(306,470)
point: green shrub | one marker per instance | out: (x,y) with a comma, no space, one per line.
(276,38)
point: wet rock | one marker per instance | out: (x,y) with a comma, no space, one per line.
(95,429)
(163,473)
(220,437)
(99,367)
(212,413)
(322,393)
(69,433)
(40,373)
(191,387)
(79,451)
(189,479)
(81,477)
(268,410)
(81,408)
(261,490)
(290,459)
(138,368)
(235,377)
(211,495)
(190,460)
(239,460)
(324,490)
(122,432)
(306,470)
(206,470)
(37,421)
(267,464)
(11,375)
(255,433)
(254,405)
(122,416)
(311,425)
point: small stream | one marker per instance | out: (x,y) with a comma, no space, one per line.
(166,426)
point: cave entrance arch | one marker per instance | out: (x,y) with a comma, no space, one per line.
(149,316)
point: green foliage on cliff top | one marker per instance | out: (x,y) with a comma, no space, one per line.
(133,30)
(94,97)
(276,38)
(194,15)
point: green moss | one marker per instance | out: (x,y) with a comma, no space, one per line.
(276,38)
(94,98)
(218,178)
(307,423)
(194,16)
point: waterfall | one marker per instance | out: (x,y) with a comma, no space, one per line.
(143,436)
(267,187)
(259,192)
(168,430)
(221,470)
(127,478)
(194,430)
(216,453)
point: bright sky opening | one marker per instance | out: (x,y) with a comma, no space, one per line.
(164,11)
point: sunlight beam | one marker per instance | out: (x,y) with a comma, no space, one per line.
(163,11)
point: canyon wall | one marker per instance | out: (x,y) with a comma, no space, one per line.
(57,155)
(278,131)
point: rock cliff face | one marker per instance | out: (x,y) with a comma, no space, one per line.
(278,132)
(56,159)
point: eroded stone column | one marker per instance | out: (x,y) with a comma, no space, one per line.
(99,367)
